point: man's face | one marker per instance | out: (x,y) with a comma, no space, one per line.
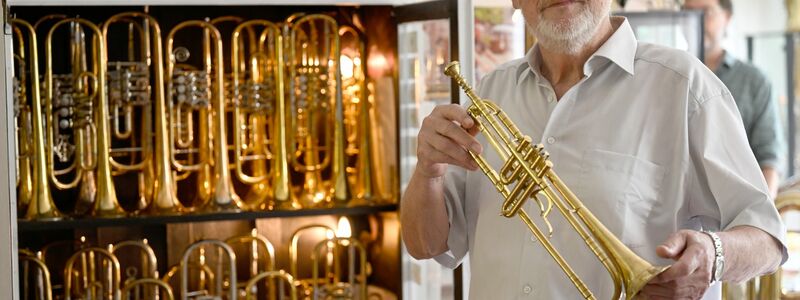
(717,20)
(563,25)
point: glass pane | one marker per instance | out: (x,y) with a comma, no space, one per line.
(423,50)
(679,29)
(499,37)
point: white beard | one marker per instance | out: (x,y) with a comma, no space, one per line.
(568,37)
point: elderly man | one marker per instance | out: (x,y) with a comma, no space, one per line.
(647,137)
(749,87)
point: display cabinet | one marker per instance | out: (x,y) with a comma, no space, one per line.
(403,45)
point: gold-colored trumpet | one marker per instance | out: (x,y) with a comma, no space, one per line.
(527,174)
(147,270)
(97,277)
(163,289)
(33,185)
(193,95)
(332,284)
(78,134)
(43,289)
(223,286)
(281,275)
(357,122)
(257,94)
(315,94)
(131,92)
(259,250)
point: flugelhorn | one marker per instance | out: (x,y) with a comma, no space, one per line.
(78,134)
(193,95)
(315,94)
(258,126)
(356,117)
(40,205)
(527,174)
(132,95)
(97,276)
(42,290)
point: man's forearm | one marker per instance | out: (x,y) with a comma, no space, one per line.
(749,252)
(423,216)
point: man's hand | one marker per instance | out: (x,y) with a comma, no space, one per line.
(444,138)
(689,276)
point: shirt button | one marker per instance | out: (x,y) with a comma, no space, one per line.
(550,99)
(551,140)
(527,289)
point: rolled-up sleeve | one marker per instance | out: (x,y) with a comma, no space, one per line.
(766,134)
(454,198)
(726,184)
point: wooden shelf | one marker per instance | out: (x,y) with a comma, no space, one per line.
(198,217)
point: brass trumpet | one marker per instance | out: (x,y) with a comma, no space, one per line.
(33,171)
(44,290)
(357,124)
(527,173)
(315,93)
(97,277)
(257,83)
(281,275)
(78,134)
(259,250)
(228,288)
(193,96)
(131,92)
(333,287)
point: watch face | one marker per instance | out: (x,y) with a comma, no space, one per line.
(718,271)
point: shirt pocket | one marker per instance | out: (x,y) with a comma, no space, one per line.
(620,190)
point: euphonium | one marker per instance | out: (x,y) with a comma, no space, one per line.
(43,289)
(316,125)
(221,290)
(78,134)
(527,174)
(193,96)
(97,277)
(280,274)
(332,284)
(257,82)
(260,256)
(357,122)
(132,100)
(33,184)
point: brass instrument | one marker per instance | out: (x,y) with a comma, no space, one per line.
(333,287)
(148,269)
(260,250)
(204,276)
(227,289)
(294,253)
(43,289)
(163,289)
(257,86)
(193,96)
(22,123)
(97,276)
(78,134)
(281,275)
(356,117)
(315,93)
(33,184)
(527,173)
(131,92)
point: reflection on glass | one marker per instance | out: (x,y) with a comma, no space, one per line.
(499,37)
(678,29)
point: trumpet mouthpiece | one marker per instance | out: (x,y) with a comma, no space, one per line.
(452,69)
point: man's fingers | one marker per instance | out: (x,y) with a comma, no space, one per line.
(673,246)
(436,156)
(658,290)
(454,112)
(448,147)
(687,264)
(454,132)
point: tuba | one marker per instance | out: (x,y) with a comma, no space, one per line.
(527,174)
(315,93)
(32,182)
(132,103)
(195,96)
(78,134)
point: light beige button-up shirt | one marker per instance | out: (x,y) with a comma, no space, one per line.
(650,141)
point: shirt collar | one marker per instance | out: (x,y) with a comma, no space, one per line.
(727,62)
(620,48)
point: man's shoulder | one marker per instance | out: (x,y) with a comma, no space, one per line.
(751,73)
(661,61)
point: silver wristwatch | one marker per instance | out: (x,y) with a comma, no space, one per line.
(719,258)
